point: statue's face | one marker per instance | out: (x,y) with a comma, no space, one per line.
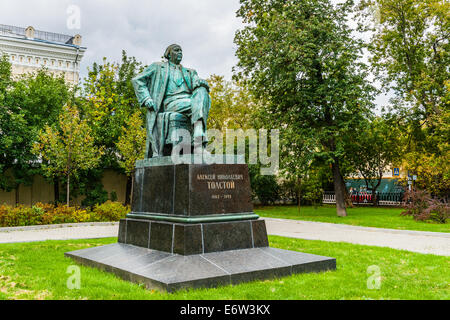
(176,55)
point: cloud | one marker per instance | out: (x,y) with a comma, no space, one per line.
(204,28)
(144,28)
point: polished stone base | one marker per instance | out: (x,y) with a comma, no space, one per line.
(193,226)
(191,193)
(170,272)
(190,239)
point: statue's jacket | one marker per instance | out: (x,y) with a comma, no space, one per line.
(151,84)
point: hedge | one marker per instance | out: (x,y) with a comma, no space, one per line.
(44,214)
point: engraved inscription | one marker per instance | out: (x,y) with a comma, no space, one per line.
(219,189)
(219,182)
(223,185)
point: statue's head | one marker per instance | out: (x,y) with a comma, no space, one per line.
(174,53)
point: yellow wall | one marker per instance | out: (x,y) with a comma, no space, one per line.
(42,191)
(115,182)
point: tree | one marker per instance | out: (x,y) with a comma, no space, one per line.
(71,148)
(27,104)
(374,149)
(410,55)
(410,52)
(131,146)
(301,59)
(108,102)
(12,128)
(232,105)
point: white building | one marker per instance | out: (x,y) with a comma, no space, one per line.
(30,50)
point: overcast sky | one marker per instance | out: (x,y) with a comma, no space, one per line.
(144,28)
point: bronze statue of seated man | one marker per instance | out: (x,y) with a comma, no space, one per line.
(175,97)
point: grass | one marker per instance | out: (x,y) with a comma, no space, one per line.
(377,217)
(39,271)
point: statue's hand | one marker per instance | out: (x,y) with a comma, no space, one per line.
(150,105)
(203,83)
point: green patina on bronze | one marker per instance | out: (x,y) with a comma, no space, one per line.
(175,98)
(194,220)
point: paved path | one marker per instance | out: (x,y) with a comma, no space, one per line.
(416,241)
(59,232)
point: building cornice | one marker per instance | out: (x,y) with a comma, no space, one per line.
(42,49)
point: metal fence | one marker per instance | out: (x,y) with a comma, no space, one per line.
(365,198)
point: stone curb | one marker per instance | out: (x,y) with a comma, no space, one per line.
(367,229)
(58,226)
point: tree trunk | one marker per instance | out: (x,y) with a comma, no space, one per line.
(69,167)
(56,189)
(299,193)
(374,189)
(347,196)
(129,190)
(339,191)
(68,190)
(17,195)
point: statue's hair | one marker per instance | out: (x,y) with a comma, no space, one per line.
(169,49)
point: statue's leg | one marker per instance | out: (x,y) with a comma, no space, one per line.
(201,103)
(151,147)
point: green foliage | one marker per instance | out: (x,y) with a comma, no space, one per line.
(110,211)
(19,216)
(109,101)
(46,214)
(94,196)
(301,59)
(232,105)
(410,56)
(264,187)
(312,191)
(374,149)
(131,143)
(67,151)
(410,52)
(113,196)
(26,106)
(306,191)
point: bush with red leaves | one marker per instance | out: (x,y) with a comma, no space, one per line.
(423,207)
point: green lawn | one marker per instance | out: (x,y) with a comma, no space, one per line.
(379,217)
(38,271)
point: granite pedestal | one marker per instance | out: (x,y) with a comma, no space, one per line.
(193,225)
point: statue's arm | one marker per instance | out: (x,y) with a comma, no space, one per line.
(141,83)
(198,82)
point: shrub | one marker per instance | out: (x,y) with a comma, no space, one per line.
(95,196)
(423,207)
(264,187)
(109,211)
(20,216)
(43,214)
(113,196)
